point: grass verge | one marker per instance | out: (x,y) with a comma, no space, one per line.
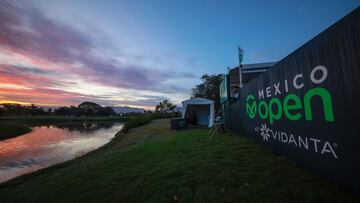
(153,164)
(9,130)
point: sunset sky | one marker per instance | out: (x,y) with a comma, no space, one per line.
(137,53)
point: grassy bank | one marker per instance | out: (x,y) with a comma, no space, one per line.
(57,119)
(9,130)
(153,164)
(17,125)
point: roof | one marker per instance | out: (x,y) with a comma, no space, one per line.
(256,66)
(249,71)
(198,100)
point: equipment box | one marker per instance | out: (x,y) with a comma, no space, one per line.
(177,123)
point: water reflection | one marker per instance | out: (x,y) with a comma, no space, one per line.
(51,144)
(86,126)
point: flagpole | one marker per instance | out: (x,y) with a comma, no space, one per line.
(240,52)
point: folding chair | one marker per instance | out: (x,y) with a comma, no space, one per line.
(216,127)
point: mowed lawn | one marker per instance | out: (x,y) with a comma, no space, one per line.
(154,164)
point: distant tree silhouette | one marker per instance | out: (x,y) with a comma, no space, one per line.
(11,109)
(209,88)
(85,109)
(165,106)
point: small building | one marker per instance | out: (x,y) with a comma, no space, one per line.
(198,111)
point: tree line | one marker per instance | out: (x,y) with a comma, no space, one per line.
(10,109)
(84,109)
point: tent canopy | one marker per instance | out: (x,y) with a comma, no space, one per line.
(203,109)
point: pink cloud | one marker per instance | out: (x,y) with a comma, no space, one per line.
(51,47)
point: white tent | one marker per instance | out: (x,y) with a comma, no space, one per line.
(203,108)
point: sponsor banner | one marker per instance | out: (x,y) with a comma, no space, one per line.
(307,107)
(224,89)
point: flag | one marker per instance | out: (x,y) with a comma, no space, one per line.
(241,54)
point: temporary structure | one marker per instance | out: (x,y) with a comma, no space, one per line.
(202,108)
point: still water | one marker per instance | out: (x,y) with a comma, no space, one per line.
(47,145)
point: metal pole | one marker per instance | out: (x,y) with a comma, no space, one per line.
(240,75)
(240,55)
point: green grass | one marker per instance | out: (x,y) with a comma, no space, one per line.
(9,130)
(153,164)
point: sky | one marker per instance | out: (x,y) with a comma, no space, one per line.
(139,52)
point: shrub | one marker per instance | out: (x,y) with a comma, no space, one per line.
(144,119)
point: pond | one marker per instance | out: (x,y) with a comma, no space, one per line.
(47,145)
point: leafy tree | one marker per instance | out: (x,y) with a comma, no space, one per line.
(107,111)
(165,106)
(209,88)
(85,109)
(62,111)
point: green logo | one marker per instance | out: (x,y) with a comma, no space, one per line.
(293,107)
(251,109)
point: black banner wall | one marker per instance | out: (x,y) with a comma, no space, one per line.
(307,107)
